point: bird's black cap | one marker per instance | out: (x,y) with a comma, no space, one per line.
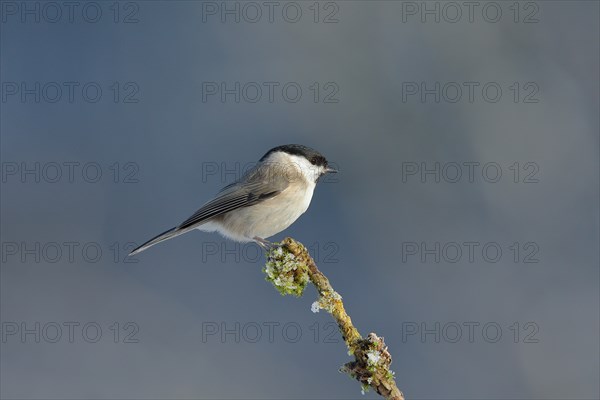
(313,156)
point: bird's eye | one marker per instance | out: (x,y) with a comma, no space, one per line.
(313,160)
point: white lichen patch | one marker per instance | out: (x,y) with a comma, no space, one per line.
(315,307)
(373,358)
(327,301)
(285,272)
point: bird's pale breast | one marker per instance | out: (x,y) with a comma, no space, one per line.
(272,215)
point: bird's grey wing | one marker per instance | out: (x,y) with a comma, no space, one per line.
(257,185)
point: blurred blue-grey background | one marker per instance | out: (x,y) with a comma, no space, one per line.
(119,119)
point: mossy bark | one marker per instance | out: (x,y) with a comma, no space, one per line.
(371,365)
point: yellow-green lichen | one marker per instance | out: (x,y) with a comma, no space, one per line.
(285,272)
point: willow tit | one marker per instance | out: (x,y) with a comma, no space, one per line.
(263,202)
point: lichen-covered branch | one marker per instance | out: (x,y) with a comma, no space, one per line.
(289,267)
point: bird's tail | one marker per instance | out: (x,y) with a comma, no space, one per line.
(166,235)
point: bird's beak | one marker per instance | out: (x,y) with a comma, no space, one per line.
(330,170)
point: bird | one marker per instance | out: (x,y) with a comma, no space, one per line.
(264,201)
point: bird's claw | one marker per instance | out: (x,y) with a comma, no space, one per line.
(265,244)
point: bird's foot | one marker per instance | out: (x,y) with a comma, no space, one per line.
(265,244)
